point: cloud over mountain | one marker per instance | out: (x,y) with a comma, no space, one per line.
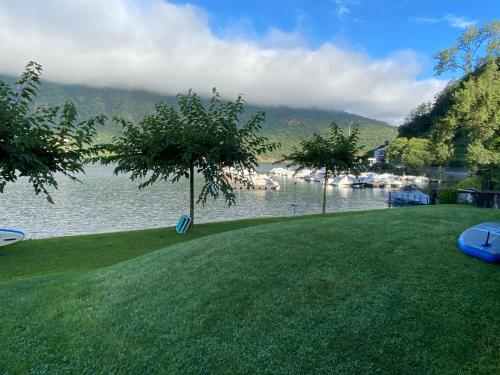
(169,48)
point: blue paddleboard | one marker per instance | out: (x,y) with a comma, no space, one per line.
(10,236)
(482,241)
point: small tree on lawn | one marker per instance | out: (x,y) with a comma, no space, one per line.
(37,141)
(335,152)
(172,144)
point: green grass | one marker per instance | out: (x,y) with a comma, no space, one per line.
(368,292)
(84,253)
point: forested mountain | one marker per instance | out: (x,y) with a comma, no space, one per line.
(284,124)
(430,116)
(420,122)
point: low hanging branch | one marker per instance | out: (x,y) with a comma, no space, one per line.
(36,141)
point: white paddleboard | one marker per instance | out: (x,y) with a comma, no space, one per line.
(10,236)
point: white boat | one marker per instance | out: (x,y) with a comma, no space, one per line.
(263,181)
(345,180)
(303,173)
(386,179)
(318,176)
(409,178)
(421,180)
(368,177)
(277,170)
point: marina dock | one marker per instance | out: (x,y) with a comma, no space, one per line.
(407,198)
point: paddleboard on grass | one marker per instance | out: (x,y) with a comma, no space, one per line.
(10,236)
(482,241)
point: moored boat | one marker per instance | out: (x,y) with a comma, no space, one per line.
(263,181)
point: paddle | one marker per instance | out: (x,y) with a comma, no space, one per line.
(487,243)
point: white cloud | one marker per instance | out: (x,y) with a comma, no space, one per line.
(167,48)
(460,22)
(343,7)
(276,38)
(242,30)
(452,20)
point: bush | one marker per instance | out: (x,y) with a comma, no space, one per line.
(489,175)
(448,196)
(469,182)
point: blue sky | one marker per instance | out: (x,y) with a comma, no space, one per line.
(368,57)
(377,27)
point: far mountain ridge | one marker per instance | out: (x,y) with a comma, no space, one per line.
(284,124)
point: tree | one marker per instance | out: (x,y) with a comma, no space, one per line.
(172,144)
(36,141)
(335,152)
(464,55)
(410,153)
(417,154)
(463,123)
(394,152)
(417,122)
(475,112)
(467,56)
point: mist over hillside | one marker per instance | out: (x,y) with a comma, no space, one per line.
(283,124)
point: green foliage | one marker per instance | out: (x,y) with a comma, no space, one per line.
(417,122)
(475,107)
(475,112)
(336,152)
(489,175)
(448,196)
(420,121)
(417,154)
(172,143)
(470,182)
(463,122)
(38,141)
(394,152)
(464,54)
(411,153)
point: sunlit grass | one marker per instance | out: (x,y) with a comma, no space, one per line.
(370,292)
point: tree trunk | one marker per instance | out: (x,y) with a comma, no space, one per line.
(191,194)
(324,193)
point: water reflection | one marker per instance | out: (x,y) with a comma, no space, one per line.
(106,203)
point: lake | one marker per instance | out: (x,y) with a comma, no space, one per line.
(104,202)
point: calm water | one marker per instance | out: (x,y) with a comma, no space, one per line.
(108,203)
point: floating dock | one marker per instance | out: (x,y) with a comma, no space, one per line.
(407,198)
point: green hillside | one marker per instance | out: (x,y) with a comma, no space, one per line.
(350,293)
(426,117)
(284,124)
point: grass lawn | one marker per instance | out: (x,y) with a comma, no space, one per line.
(383,291)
